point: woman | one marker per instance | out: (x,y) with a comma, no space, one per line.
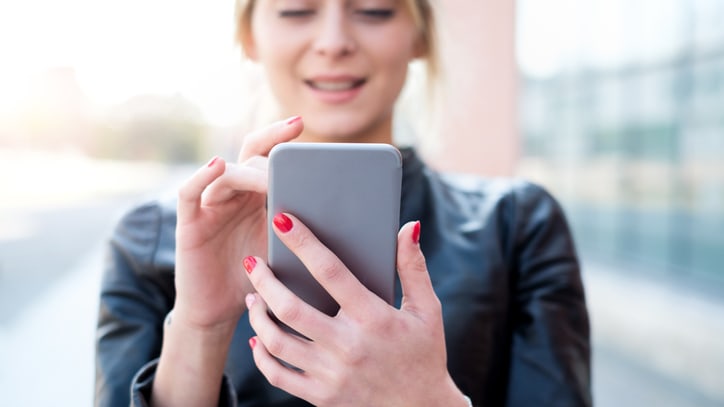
(493,308)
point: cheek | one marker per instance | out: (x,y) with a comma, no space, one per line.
(394,54)
(397,60)
(278,57)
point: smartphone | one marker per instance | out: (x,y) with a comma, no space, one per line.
(348,194)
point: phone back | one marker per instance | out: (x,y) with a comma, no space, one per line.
(348,194)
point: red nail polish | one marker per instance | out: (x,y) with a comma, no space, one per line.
(249,263)
(293,120)
(282,222)
(416,232)
(252,342)
(212,162)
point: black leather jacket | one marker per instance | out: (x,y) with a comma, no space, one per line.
(502,262)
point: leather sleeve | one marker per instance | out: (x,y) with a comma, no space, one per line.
(142,384)
(136,294)
(550,353)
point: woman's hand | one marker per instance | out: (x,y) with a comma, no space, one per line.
(222,219)
(370,353)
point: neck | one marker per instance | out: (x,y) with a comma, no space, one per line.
(380,132)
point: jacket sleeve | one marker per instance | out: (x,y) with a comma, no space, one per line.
(137,292)
(135,297)
(550,351)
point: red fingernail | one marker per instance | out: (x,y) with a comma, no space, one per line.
(252,342)
(416,232)
(249,263)
(213,160)
(283,223)
(293,120)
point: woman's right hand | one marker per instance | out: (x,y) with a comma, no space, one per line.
(221,220)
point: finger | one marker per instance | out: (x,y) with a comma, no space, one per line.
(261,141)
(189,195)
(418,293)
(285,305)
(286,346)
(259,162)
(236,178)
(325,266)
(289,380)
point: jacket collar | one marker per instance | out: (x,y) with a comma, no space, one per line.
(414,187)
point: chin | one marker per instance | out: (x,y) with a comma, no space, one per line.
(344,129)
(333,131)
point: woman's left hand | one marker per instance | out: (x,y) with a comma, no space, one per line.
(370,353)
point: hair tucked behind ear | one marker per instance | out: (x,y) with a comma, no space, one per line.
(243,12)
(423,14)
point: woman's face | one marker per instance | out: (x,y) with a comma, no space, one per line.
(340,64)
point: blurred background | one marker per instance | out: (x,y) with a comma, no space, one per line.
(615,106)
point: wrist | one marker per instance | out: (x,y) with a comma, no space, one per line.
(192,358)
(179,319)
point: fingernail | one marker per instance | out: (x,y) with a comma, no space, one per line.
(282,222)
(249,263)
(213,160)
(252,342)
(416,232)
(293,120)
(249,300)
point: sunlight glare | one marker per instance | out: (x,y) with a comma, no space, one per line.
(121,49)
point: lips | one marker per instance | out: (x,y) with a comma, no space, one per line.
(335,84)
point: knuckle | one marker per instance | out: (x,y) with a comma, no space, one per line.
(390,327)
(419,265)
(275,378)
(352,355)
(276,346)
(436,304)
(302,241)
(288,311)
(185,193)
(330,271)
(262,285)
(416,264)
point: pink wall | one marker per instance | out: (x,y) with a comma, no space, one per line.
(478,129)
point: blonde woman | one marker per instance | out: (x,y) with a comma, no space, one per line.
(490,311)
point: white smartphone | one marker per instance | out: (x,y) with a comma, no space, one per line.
(348,194)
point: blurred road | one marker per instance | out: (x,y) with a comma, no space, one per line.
(50,263)
(54,221)
(61,238)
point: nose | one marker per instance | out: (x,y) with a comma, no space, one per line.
(334,36)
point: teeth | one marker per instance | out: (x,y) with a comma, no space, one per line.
(334,86)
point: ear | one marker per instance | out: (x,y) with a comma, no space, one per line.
(248,45)
(419,47)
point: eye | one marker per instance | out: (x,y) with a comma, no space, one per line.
(296,13)
(376,13)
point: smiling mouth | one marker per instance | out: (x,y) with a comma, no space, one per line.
(335,86)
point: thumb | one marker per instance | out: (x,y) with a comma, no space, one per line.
(418,295)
